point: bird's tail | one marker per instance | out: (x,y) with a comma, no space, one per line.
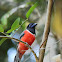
(17,57)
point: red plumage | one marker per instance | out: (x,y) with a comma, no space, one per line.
(26,36)
(29,38)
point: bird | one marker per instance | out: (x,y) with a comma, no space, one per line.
(28,36)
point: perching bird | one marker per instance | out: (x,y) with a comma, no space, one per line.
(27,36)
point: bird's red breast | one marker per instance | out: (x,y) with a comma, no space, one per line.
(29,38)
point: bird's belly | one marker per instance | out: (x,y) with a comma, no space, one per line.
(29,38)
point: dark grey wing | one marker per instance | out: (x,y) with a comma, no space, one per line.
(22,34)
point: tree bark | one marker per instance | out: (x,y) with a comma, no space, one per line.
(46,31)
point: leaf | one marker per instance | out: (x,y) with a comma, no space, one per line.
(14,26)
(16,23)
(1,28)
(7,15)
(4,20)
(2,40)
(9,31)
(31,9)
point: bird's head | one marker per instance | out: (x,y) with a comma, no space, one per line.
(31,27)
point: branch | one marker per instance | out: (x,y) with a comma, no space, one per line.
(3,33)
(46,31)
(22,42)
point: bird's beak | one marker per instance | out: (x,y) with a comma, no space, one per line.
(34,24)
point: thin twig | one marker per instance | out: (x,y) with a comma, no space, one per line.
(29,57)
(43,48)
(22,42)
(19,27)
(46,31)
(3,33)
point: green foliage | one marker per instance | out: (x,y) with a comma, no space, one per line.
(1,28)
(4,20)
(30,3)
(14,26)
(18,1)
(5,17)
(2,40)
(31,9)
(17,22)
(23,26)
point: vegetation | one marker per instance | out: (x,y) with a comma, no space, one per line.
(15,15)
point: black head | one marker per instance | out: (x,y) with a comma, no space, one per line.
(31,27)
